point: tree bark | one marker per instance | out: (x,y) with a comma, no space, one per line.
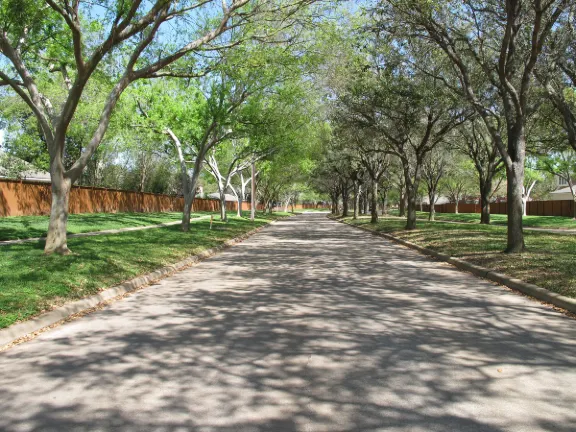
(374,203)
(356,200)
(411,217)
(402,205)
(515,179)
(432,209)
(345,202)
(223,207)
(56,241)
(485,190)
(239,210)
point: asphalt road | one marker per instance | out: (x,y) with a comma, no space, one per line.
(308,326)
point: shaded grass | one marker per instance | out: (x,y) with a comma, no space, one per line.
(553,222)
(548,262)
(22,227)
(31,282)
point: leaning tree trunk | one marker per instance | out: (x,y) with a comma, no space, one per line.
(485,190)
(515,180)
(374,203)
(56,241)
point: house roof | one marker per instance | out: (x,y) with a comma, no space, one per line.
(562,191)
(216,195)
(13,167)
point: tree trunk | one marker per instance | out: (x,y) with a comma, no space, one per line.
(239,211)
(189,188)
(286,206)
(432,207)
(385,204)
(402,206)
(186,213)
(365,202)
(56,241)
(223,207)
(374,203)
(456,206)
(411,218)
(485,190)
(344,203)
(356,200)
(515,180)
(253,193)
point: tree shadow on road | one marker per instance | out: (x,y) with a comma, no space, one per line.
(319,329)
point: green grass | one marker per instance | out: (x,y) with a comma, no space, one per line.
(548,262)
(21,227)
(31,282)
(553,222)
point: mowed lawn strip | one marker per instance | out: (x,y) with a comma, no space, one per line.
(31,282)
(552,222)
(548,262)
(23,227)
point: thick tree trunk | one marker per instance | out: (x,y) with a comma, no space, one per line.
(344,204)
(432,209)
(365,203)
(286,206)
(411,217)
(56,241)
(189,188)
(186,213)
(485,190)
(456,206)
(402,204)
(374,203)
(515,180)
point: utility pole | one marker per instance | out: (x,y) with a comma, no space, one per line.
(253,194)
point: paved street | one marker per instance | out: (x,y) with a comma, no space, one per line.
(308,326)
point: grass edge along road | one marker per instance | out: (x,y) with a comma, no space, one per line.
(550,222)
(548,261)
(32,283)
(23,227)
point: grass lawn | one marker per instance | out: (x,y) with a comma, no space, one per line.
(21,227)
(31,282)
(553,222)
(549,261)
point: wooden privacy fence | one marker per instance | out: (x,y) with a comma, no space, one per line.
(534,208)
(25,198)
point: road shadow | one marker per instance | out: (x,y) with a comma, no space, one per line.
(310,326)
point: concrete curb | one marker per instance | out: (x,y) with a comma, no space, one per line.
(30,328)
(529,289)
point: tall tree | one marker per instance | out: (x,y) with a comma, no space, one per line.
(494,48)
